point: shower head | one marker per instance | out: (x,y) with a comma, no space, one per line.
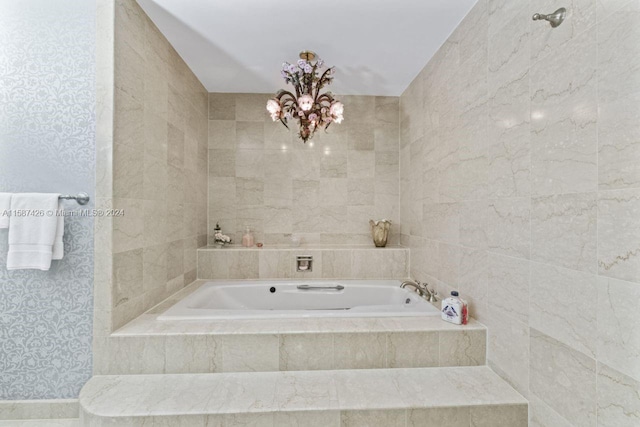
(554,18)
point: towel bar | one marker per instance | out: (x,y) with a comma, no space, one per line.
(81,198)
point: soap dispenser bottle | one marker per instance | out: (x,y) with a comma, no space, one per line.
(455,310)
(247,238)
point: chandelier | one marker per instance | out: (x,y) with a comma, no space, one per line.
(312,109)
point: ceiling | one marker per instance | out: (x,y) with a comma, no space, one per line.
(377,46)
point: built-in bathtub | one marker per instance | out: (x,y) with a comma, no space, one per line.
(264,299)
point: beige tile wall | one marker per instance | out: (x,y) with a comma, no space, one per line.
(52,410)
(328,263)
(324,191)
(476,416)
(158,170)
(210,353)
(520,186)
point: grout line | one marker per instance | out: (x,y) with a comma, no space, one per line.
(531,198)
(597,273)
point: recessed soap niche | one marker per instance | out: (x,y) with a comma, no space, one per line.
(304,263)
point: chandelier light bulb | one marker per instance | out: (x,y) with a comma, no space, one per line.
(337,108)
(273,106)
(305,102)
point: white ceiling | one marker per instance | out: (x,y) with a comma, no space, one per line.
(377,46)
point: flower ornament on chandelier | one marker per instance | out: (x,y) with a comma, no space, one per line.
(312,109)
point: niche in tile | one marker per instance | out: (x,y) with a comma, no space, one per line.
(304,263)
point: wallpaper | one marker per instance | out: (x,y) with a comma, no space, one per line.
(47,144)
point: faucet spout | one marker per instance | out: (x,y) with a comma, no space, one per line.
(416,285)
(421,289)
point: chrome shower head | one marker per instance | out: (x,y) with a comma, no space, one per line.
(554,18)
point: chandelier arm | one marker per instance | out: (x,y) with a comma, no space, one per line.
(322,80)
(283,93)
(324,96)
(296,85)
(325,72)
(317,96)
(310,82)
(291,105)
(320,83)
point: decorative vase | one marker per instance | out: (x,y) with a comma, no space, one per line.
(380,232)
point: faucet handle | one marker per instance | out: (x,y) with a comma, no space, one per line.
(423,287)
(430,293)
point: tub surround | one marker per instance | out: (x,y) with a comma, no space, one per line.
(148,345)
(223,346)
(340,398)
(279,262)
(148,324)
(325,191)
(519,187)
(217,351)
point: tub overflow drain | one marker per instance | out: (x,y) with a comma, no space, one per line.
(272,290)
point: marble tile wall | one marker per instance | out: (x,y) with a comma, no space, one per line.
(460,416)
(328,263)
(29,410)
(520,186)
(207,353)
(159,166)
(324,191)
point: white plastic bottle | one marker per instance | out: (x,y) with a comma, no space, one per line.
(454,309)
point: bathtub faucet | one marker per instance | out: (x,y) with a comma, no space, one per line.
(421,289)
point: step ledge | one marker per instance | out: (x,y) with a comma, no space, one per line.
(267,392)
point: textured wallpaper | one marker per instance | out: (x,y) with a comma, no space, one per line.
(47,144)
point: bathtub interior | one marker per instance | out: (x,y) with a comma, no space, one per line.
(296,298)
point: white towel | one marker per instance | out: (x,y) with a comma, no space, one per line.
(5,206)
(32,234)
(58,246)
